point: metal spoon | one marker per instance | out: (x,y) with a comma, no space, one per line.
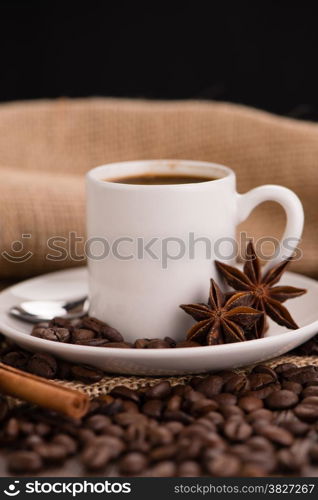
(36,311)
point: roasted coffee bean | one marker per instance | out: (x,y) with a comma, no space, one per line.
(132,463)
(94,324)
(174,403)
(43,365)
(153,408)
(189,468)
(187,343)
(302,375)
(296,427)
(225,398)
(250,403)
(45,333)
(261,380)
(170,341)
(32,441)
(264,392)
(284,367)
(229,411)
(123,392)
(265,369)
(98,423)
(17,359)
(292,386)
(203,406)
(236,429)
(279,400)
(128,405)
(261,414)
(224,465)
(11,428)
(159,391)
(96,342)
(68,443)
(178,415)
(310,400)
(237,384)
(311,390)
(51,452)
(111,334)
(276,434)
(307,412)
(24,462)
(163,452)
(210,386)
(313,452)
(141,343)
(60,322)
(157,344)
(82,334)
(166,468)
(86,374)
(174,426)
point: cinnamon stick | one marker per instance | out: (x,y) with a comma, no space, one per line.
(42,392)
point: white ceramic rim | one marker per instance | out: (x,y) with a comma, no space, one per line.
(152,353)
(110,171)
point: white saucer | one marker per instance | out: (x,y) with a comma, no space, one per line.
(71,284)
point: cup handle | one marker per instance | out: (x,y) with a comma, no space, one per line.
(292,206)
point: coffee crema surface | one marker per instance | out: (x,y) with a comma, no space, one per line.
(163,179)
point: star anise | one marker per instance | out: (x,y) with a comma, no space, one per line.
(266,297)
(222,320)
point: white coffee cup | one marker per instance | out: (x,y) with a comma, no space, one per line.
(139,269)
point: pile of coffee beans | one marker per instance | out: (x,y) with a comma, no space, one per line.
(90,331)
(261,423)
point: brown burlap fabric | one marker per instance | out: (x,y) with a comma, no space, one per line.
(47,146)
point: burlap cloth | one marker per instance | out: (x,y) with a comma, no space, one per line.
(47,146)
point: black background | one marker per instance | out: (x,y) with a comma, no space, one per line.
(262,54)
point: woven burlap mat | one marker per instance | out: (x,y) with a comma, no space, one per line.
(108,382)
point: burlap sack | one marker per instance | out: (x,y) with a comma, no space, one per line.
(47,146)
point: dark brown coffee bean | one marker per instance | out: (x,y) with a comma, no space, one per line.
(203,406)
(103,449)
(86,374)
(24,461)
(133,463)
(163,452)
(296,427)
(307,412)
(292,386)
(189,447)
(160,435)
(127,418)
(166,468)
(279,400)
(95,342)
(302,375)
(264,392)
(153,408)
(310,391)
(62,334)
(187,343)
(82,334)
(17,359)
(224,465)
(237,429)
(237,384)
(63,370)
(32,441)
(43,365)
(260,444)
(98,423)
(261,414)
(174,427)
(229,411)
(128,405)
(260,380)
(68,443)
(11,428)
(159,391)
(141,343)
(284,367)
(170,341)
(265,369)
(214,417)
(45,333)
(189,468)
(276,435)
(310,400)
(60,322)
(113,430)
(225,399)
(178,415)
(111,334)
(42,429)
(94,324)
(51,452)
(119,345)
(174,403)
(210,386)
(250,403)
(123,392)
(158,344)
(313,452)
